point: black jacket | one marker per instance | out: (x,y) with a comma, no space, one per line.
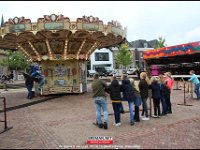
(156,90)
(143,86)
(127,90)
(114,90)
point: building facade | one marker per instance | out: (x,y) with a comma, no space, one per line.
(106,57)
(101,58)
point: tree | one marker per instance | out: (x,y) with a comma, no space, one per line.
(161,43)
(124,56)
(14,61)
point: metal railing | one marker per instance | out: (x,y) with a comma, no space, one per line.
(6,128)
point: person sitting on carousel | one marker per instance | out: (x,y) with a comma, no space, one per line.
(37,73)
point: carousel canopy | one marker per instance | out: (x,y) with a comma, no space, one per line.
(57,37)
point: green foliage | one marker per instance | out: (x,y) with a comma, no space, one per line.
(124,56)
(14,61)
(161,43)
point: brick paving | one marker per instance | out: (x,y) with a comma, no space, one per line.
(66,122)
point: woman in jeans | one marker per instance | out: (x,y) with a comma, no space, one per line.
(137,101)
(143,87)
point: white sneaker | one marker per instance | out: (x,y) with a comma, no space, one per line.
(145,118)
(154,116)
(117,124)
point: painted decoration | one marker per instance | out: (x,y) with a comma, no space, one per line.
(184,49)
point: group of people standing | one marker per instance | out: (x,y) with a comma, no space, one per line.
(159,88)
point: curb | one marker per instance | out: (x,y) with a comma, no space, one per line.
(30,103)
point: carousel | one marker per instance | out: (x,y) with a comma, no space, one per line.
(61,46)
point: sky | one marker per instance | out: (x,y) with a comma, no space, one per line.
(176,21)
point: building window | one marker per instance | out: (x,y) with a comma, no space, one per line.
(101,57)
(145,45)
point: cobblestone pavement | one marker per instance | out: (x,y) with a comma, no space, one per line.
(67,122)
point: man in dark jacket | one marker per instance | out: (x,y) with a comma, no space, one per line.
(29,85)
(128,96)
(114,90)
(100,100)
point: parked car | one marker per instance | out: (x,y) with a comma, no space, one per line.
(108,71)
(117,72)
(91,73)
(101,71)
(131,71)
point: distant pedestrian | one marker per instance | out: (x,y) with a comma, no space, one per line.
(195,80)
(114,90)
(11,77)
(99,96)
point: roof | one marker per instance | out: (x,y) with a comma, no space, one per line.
(177,50)
(140,43)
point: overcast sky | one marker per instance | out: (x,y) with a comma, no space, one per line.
(178,22)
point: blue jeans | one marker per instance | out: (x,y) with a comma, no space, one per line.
(101,104)
(121,108)
(196,90)
(130,105)
(164,108)
(116,108)
(29,88)
(144,107)
(41,83)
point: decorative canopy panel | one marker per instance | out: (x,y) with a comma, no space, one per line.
(177,50)
(57,37)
